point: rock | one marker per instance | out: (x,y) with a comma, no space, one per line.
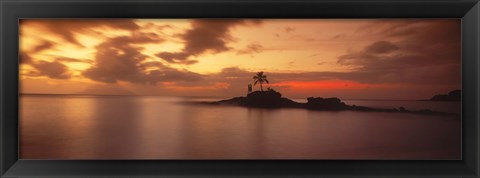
(455,95)
(262,99)
(325,104)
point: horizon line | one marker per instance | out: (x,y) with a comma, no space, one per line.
(83,94)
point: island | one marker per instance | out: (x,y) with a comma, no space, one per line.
(272,99)
(455,95)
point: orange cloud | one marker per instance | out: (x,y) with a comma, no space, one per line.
(215,86)
(205,35)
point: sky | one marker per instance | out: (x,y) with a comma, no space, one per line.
(404,59)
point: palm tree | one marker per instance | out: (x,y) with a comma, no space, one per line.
(260,78)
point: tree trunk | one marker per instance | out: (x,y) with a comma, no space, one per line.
(261,88)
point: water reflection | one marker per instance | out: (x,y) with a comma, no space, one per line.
(73,127)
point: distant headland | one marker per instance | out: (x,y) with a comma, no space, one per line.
(455,95)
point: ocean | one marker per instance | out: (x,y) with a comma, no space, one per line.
(159,127)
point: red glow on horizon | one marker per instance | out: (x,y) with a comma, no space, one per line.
(328,85)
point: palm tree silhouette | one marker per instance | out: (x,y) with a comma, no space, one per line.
(260,78)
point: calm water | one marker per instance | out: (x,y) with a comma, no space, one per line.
(120,127)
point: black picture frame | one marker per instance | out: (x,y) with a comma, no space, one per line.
(13,10)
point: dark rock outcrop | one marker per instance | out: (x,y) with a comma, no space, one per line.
(325,104)
(455,95)
(262,99)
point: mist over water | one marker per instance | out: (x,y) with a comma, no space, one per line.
(153,127)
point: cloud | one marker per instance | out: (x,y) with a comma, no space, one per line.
(157,27)
(419,31)
(424,52)
(289,29)
(43,46)
(72,60)
(66,28)
(291,63)
(371,53)
(381,47)
(179,57)
(119,59)
(251,49)
(205,35)
(338,36)
(24,58)
(55,70)
(233,72)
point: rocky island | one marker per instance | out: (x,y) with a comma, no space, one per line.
(273,99)
(455,95)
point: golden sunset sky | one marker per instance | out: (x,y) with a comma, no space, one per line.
(350,59)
